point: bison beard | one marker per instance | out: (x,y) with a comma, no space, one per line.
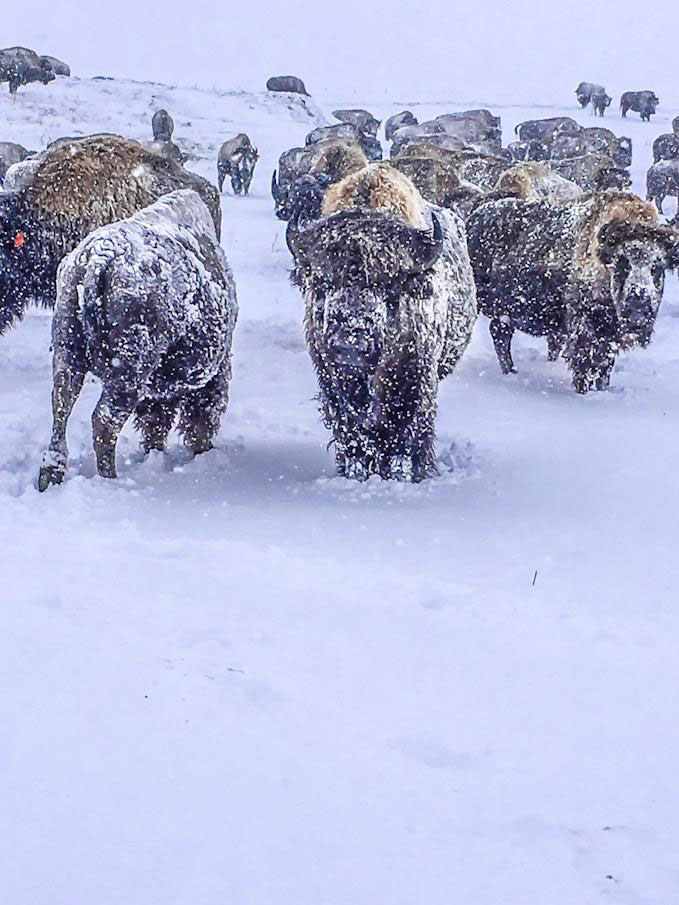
(376,324)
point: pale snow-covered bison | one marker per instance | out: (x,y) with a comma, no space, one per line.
(588,274)
(390,306)
(67,191)
(237,159)
(147,305)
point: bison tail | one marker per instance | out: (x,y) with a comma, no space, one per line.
(92,298)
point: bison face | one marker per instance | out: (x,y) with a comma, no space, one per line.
(355,267)
(637,279)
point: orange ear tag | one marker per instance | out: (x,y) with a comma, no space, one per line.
(20,239)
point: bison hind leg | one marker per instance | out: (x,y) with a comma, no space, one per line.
(108,419)
(502,332)
(154,418)
(201,410)
(67,386)
(554,346)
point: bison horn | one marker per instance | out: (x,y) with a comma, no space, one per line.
(275,190)
(428,247)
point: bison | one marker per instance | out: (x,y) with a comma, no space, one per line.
(598,140)
(389,309)
(666,147)
(362,120)
(147,305)
(335,158)
(587,92)
(237,158)
(10,153)
(533,181)
(587,274)
(546,130)
(593,172)
(73,188)
(645,103)
(662,180)
(162,125)
(398,121)
(21,66)
(287,83)
(600,103)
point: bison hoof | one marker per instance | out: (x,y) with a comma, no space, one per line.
(50,474)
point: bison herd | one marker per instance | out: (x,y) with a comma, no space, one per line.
(394,259)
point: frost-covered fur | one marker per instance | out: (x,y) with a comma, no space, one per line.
(587,273)
(148,305)
(73,188)
(389,311)
(237,158)
(593,172)
(379,186)
(533,181)
(339,159)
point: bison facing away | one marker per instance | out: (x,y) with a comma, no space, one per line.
(237,158)
(587,274)
(67,191)
(147,305)
(390,307)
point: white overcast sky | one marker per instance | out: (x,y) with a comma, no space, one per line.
(365,48)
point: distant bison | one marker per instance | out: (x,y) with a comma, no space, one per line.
(237,158)
(147,305)
(21,66)
(593,172)
(10,153)
(546,130)
(662,180)
(162,125)
(600,102)
(645,103)
(666,147)
(288,83)
(588,274)
(397,121)
(587,92)
(361,119)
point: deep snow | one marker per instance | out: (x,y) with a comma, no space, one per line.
(240,679)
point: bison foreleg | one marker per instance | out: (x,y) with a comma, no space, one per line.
(67,386)
(502,332)
(554,346)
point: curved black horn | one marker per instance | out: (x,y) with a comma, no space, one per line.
(428,247)
(275,190)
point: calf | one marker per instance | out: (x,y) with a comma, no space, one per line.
(147,305)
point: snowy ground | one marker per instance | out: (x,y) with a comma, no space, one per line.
(242,680)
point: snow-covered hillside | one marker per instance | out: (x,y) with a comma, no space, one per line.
(242,680)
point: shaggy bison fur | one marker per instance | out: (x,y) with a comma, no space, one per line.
(390,307)
(73,188)
(588,274)
(147,305)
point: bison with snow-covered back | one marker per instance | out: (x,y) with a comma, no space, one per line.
(390,307)
(237,159)
(162,125)
(69,190)
(587,274)
(147,305)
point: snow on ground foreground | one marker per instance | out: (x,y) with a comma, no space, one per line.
(240,679)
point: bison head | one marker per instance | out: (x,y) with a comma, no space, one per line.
(637,256)
(357,266)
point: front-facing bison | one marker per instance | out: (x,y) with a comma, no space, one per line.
(588,274)
(147,305)
(390,307)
